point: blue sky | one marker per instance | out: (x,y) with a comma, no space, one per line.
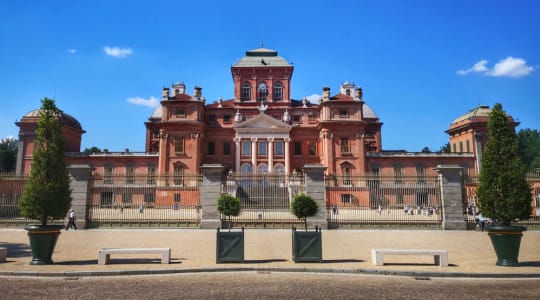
(421,64)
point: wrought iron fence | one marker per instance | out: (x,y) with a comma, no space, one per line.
(374,200)
(137,200)
(265,198)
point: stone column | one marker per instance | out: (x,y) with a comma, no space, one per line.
(451,182)
(270,155)
(237,155)
(210,192)
(80,176)
(314,187)
(253,155)
(287,156)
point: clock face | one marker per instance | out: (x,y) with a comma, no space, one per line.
(262,86)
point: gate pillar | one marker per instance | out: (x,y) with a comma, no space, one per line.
(451,183)
(79,175)
(314,187)
(210,192)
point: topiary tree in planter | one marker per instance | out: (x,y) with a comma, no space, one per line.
(303,206)
(229,245)
(503,192)
(229,206)
(306,246)
(47,194)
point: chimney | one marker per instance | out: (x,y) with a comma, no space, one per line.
(165,94)
(197,92)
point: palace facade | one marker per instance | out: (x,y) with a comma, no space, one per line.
(263,130)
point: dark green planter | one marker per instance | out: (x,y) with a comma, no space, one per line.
(506,241)
(307,246)
(230,246)
(42,242)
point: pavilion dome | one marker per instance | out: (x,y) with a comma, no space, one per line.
(66,118)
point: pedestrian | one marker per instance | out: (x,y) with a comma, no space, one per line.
(481,221)
(72,220)
(335,210)
(141,208)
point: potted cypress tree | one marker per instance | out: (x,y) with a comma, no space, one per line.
(47,195)
(229,244)
(306,245)
(503,192)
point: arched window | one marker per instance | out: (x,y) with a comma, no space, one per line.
(278,92)
(246,92)
(246,169)
(279,169)
(178,177)
(262,169)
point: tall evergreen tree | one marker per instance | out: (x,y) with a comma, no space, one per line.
(8,154)
(503,192)
(47,194)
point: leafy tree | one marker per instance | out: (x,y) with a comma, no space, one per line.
(445,148)
(503,191)
(229,206)
(304,206)
(426,150)
(92,150)
(47,194)
(529,148)
(8,154)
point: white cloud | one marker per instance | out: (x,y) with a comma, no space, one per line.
(117,51)
(72,51)
(151,102)
(478,67)
(508,67)
(511,67)
(314,98)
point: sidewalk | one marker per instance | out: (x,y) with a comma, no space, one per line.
(470,253)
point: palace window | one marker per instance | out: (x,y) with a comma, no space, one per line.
(211,148)
(246,92)
(108,175)
(180,113)
(398,174)
(246,148)
(127,197)
(226,148)
(178,175)
(177,198)
(297,118)
(420,174)
(312,118)
(151,175)
(106,198)
(346,198)
(278,91)
(297,148)
(467,144)
(312,148)
(343,113)
(278,148)
(345,149)
(227,119)
(130,175)
(262,149)
(211,118)
(179,145)
(149,197)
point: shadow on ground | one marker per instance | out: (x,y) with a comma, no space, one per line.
(17,250)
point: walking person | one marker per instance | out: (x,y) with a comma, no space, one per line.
(72,220)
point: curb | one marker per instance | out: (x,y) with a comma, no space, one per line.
(418,275)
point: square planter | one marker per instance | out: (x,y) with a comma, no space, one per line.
(307,246)
(230,246)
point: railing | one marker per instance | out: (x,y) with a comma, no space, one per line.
(383,201)
(265,199)
(144,200)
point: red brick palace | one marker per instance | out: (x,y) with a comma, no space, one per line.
(263,130)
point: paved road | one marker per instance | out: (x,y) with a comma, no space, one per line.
(265,285)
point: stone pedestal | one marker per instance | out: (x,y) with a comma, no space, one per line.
(80,175)
(314,187)
(451,182)
(210,192)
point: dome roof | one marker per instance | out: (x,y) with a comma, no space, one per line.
(66,118)
(262,57)
(368,112)
(157,113)
(481,111)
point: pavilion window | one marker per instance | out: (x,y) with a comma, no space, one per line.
(245,92)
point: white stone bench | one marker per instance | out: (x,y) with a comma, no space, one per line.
(104,255)
(3,254)
(440,256)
